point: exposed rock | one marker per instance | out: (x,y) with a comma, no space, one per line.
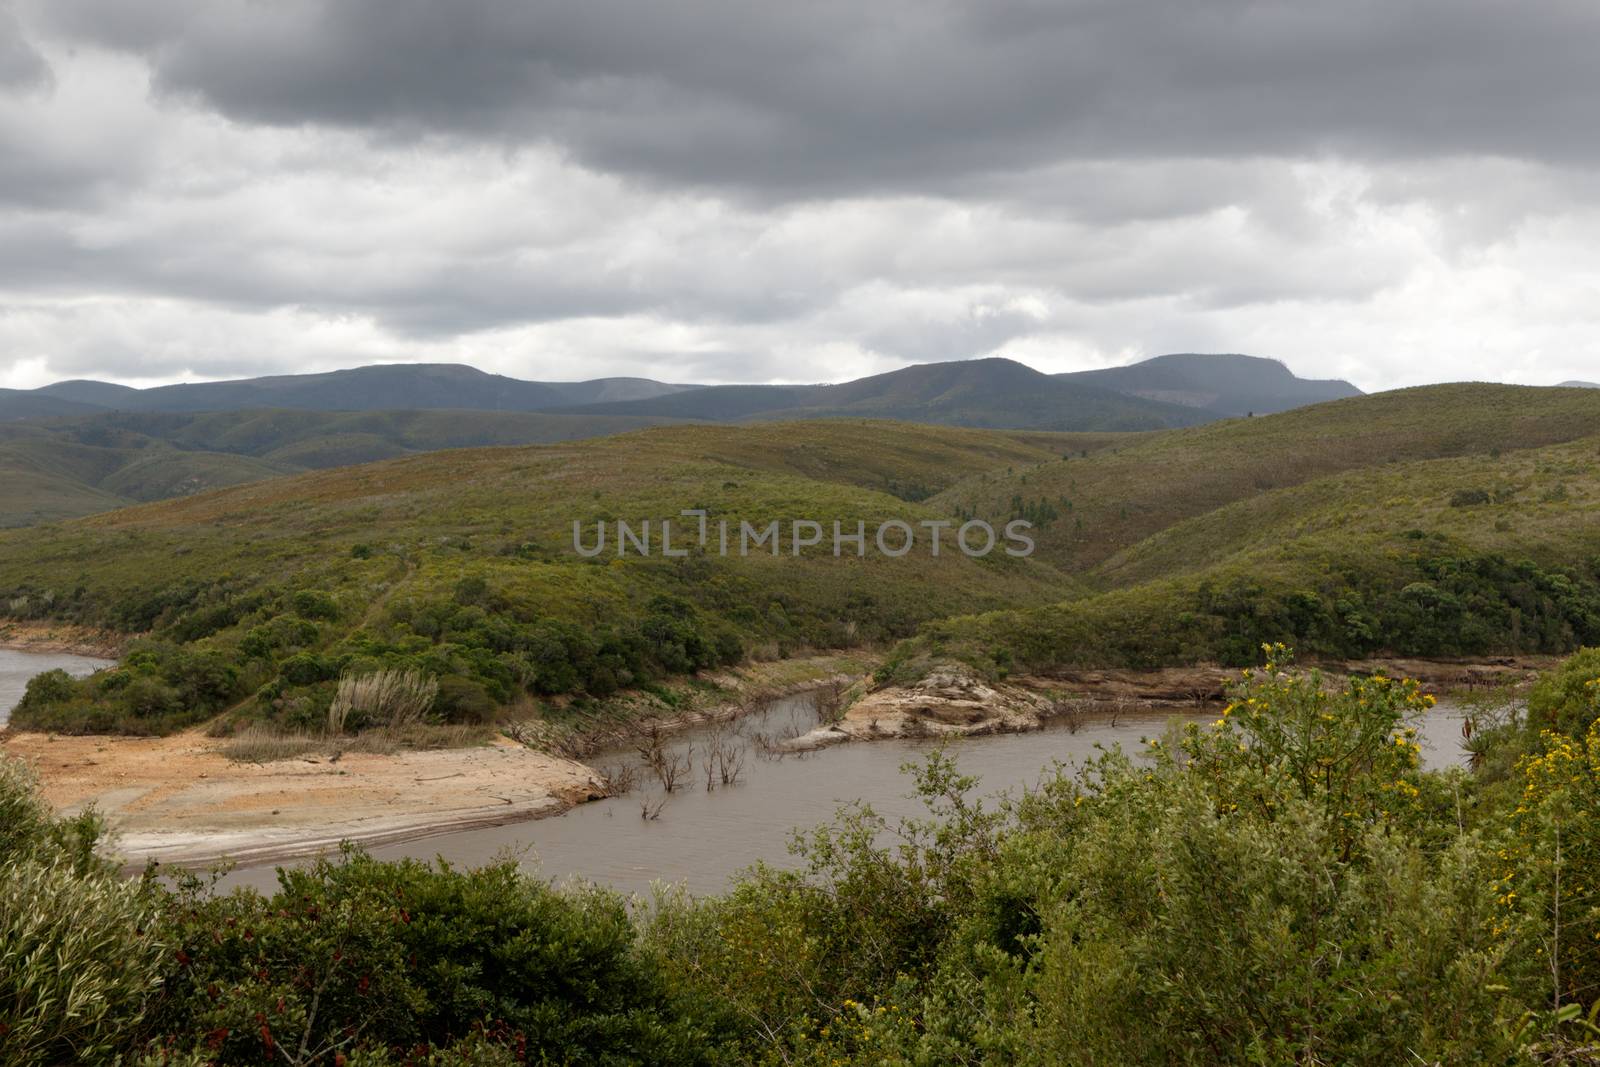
(953,701)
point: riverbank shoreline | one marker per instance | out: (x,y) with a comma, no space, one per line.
(62,638)
(180,801)
(953,701)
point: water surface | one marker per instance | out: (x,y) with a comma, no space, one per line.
(704,838)
(17,667)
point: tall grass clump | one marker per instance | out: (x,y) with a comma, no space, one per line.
(80,954)
(390,698)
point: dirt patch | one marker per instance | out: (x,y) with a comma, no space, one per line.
(178,799)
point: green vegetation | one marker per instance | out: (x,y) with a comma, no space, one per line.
(1148,484)
(1448,521)
(64,468)
(1285,885)
(460,566)
(1319,527)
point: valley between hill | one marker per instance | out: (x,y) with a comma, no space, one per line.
(1450,523)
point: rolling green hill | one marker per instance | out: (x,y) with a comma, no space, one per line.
(1449,520)
(1092,508)
(1207,543)
(461,564)
(46,476)
(62,468)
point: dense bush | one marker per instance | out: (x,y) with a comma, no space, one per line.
(406,956)
(483,652)
(1283,886)
(158,687)
(1424,605)
(1567,700)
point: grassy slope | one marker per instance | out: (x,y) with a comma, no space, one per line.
(1115,498)
(1201,541)
(65,468)
(47,477)
(503,516)
(417,504)
(1542,505)
(1466,555)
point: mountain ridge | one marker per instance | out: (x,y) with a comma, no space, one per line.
(376,387)
(1228,384)
(1156,393)
(992,393)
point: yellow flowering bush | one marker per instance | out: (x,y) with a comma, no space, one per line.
(1549,888)
(1349,747)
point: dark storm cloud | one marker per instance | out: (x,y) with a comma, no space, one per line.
(829,97)
(703,189)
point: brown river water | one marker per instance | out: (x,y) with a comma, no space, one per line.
(704,839)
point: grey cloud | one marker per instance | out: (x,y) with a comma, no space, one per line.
(21,65)
(800,191)
(830,97)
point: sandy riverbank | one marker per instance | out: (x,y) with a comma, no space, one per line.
(180,800)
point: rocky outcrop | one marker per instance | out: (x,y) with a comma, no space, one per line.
(953,701)
(950,701)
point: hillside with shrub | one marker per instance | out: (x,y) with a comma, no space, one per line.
(1491,554)
(1446,521)
(58,469)
(1096,505)
(460,566)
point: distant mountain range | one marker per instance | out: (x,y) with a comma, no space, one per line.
(1222,385)
(389,387)
(1579,385)
(1171,390)
(1168,391)
(997,393)
(80,447)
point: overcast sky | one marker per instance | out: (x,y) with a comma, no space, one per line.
(1390,192)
